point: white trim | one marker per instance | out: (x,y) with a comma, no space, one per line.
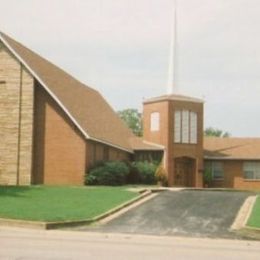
(154,144)
(112,145)
(86,135)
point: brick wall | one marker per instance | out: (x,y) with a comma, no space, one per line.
(16,117)
(165,135)
(59,148)
(233,177)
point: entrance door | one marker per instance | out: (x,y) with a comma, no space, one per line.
(183,172)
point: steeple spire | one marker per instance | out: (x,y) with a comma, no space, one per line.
(172,86)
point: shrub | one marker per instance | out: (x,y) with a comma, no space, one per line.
(161,175)
(146,171)
(108,173)
(207,176)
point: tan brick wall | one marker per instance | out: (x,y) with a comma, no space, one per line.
(16,117)
(233,177)
(59,148)
(166,133)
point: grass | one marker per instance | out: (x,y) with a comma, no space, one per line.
(254,220)
(43,203)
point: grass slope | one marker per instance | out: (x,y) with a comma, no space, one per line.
(254,220)
(59,203)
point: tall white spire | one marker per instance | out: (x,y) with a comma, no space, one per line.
(172,74)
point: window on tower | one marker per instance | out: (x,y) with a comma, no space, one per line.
(155,121)
(185,127)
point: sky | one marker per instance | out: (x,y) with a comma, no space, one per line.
(121,48)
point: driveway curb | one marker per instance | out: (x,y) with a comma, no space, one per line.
(240,223)
(60,224)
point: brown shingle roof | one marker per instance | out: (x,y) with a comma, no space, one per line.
(232,148)
(173,97)
(84,105)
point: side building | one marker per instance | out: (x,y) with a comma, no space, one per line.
(233,162)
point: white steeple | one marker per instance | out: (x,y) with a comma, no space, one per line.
(172,79)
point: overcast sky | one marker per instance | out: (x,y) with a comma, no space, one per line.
(121,48)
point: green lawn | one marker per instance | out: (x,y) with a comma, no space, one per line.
(60,203)
(254,220)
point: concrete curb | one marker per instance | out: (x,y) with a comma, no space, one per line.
(244,213)
(61,224)
(240,223)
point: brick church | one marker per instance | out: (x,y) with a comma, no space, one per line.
(53,128)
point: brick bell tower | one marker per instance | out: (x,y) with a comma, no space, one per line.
(176,122)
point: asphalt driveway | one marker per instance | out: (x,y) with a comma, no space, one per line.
(183,213)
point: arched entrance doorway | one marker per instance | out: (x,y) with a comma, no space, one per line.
(184,172)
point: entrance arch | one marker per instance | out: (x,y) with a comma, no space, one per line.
(184,172)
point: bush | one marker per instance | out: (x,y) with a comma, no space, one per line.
(161,175)
(207,176)
(146,171)
(108,173)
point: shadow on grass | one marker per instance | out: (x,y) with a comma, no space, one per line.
(13,191)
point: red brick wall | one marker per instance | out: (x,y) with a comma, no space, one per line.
(166,133)
(59,148)
(233,177)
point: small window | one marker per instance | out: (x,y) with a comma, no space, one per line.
(251,170)
(217,171)
(155,121)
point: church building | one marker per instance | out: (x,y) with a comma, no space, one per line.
(53,128)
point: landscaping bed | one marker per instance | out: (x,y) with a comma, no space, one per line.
(44,203)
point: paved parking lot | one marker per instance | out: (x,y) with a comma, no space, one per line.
(183,213)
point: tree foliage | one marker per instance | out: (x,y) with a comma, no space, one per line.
(133,119)
(211,131)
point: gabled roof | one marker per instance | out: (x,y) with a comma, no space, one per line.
(173,97)
(231,148)
(89,111)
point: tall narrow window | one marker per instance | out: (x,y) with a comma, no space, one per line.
(217,171)
(185,127)
(193,128)
(177,126)
(155,121)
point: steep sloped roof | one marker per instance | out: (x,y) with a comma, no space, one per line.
(85,106)
(231,148)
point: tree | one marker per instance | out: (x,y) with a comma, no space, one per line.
(133,120)
(211,131)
